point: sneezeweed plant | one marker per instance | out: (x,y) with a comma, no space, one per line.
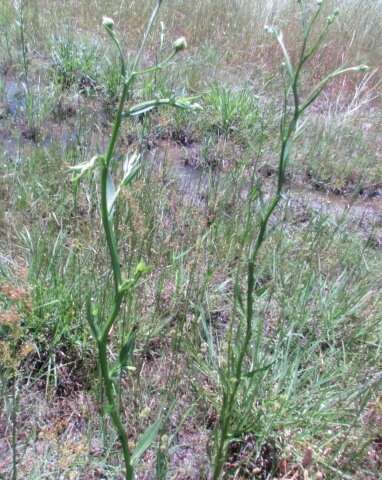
(236,379)
(102,323)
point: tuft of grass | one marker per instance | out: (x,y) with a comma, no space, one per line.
(230,112)
(75,61)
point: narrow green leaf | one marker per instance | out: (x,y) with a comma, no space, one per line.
(126,353)
(322,84)
(187,103)
(251,373)
(161,465)
(131,168)
(145,441)
(142,110)
(91,317)
(184,103)
(261,290)
(84,167)
(145,107)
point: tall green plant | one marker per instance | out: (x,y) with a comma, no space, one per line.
(102,323)
(241,345)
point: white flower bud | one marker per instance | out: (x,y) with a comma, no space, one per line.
(180,44)
(108,22)
(145,412)
(164,443)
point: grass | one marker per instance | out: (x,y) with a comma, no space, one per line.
(309,402)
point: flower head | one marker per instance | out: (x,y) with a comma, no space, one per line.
(180,44)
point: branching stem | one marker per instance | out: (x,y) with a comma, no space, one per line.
(288,127)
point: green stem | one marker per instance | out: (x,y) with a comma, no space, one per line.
(113,409)
(146,34)
(228,404)
(111,241)
(117,308)
(109,231)
(14,428)
(118,119)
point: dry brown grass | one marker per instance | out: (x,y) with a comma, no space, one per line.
(235,28)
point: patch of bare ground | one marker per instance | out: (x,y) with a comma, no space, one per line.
(48,431)
(62,435)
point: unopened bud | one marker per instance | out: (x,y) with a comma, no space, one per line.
(363,68)
(180,44)
(145,412)
(163,443)
(108,22)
